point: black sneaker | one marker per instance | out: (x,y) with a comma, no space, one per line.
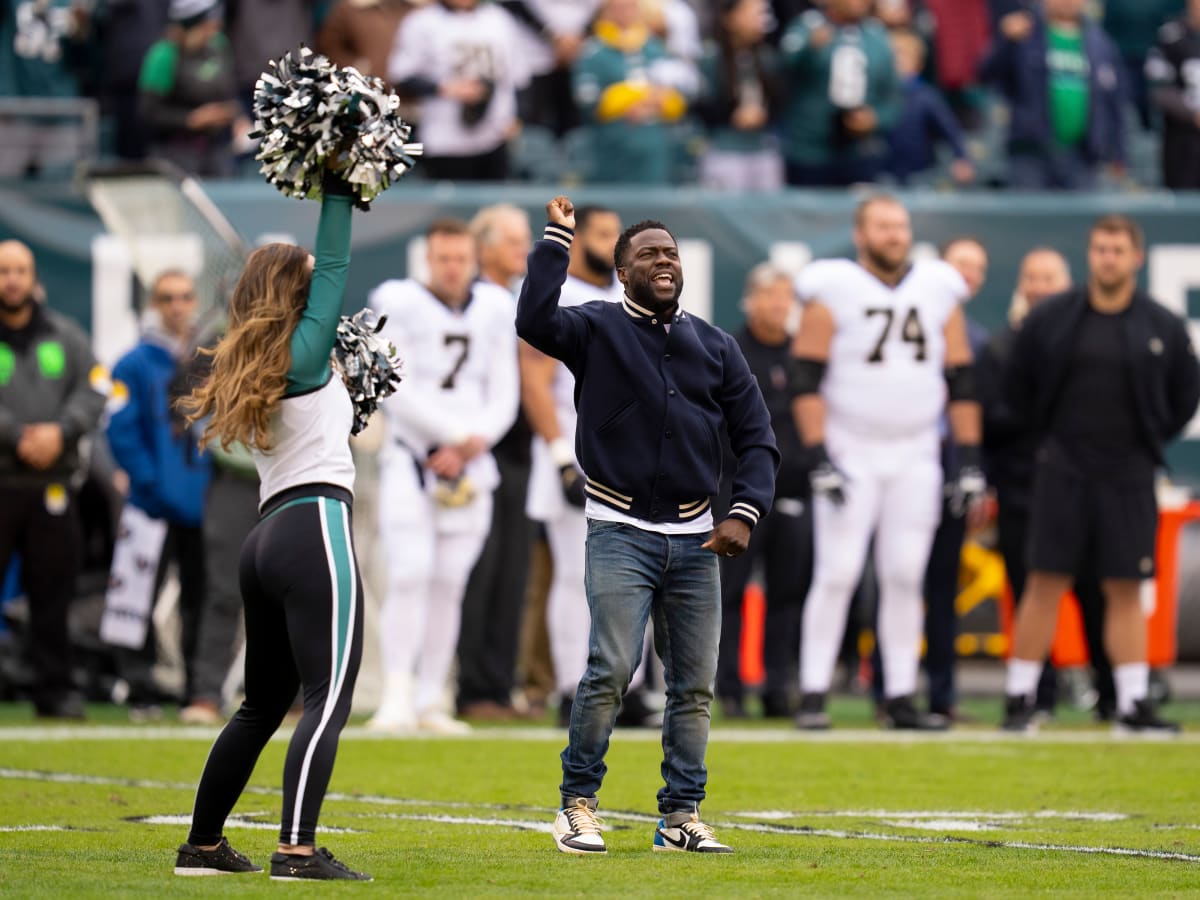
(223,860)
(901,713)
(1020,715)
(1144,720)
(319,866)
(776,705)
(811,715)
(67,708)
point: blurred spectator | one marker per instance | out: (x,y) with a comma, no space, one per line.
(460,59)
(495,593)
(168,474)
(961,32)
(844,96)
(361,33)
(925,119)
(969,257)
(553,33)
(44,52)
(740,91)
(189,91)
(51,395)
(626,87)
(1173,72)
(894,13)
(260,30)
(1133,25)
(230,512)
(782,541)
(127,30)
(1009,450)
(1061,76)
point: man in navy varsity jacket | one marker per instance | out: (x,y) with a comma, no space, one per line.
(653,386)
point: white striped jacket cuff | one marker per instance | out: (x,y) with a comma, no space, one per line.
(560,234)
(746,512)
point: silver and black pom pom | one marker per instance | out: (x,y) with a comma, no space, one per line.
(368,363)
(310,111)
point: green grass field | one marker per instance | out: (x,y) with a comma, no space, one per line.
(1071,811)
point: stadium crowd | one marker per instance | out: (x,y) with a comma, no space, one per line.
(481,506)
(750,94)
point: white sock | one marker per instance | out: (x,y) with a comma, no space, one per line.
(1021,677)
(1133,684)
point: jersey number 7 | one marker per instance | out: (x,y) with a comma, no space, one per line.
(910,331)
(450,340)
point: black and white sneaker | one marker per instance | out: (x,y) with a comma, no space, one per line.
(901,713)
(577,830)
(812,716)
(684,832)
(1020,715)
(318,866)
(1144,720)
(222,860)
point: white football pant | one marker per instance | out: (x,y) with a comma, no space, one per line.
(430,552)
(894,492)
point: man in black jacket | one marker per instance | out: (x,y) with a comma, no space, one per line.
(783,540)
(1105,377)
(51,395)
(653,386)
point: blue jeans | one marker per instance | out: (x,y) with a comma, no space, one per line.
(631,574)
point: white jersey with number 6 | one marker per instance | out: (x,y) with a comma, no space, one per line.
(885,373)
(459,368)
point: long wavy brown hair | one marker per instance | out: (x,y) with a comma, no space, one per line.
(251,362)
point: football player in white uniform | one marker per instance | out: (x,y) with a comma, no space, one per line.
(461,60)
(881,353)
(556,496)
(458,397)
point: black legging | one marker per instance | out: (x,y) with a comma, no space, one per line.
(303,606)
(783,540)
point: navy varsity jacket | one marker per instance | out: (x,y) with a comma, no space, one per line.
(651,399)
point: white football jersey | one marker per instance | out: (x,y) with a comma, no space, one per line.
(458,369)
(436,43)
(562,17)
(885,374)
(545,491)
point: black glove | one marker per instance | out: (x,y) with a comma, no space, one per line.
(826,478)
(965,482)
(572,485)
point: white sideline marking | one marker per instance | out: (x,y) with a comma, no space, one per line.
(542,824)
(11,828)
(943,824)
(57,734)
(232,822)
(769,814)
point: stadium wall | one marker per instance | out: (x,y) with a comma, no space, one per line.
(721,237)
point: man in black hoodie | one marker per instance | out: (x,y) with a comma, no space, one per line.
(1105,377)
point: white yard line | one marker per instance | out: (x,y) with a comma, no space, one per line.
(948,820)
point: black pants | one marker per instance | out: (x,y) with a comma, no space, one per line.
(1013,527)
(184,545)
(941,617)
(230,512)
(494,600)
(42,524)
(490,166)
(783,541)
(303,599)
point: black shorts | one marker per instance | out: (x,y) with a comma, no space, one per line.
(1107,525)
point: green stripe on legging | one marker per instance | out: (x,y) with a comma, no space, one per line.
(343,562)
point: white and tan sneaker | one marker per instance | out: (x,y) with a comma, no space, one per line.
(577,830)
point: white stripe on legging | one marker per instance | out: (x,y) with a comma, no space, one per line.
(335,679)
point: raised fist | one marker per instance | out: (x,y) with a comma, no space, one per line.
(561,211)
